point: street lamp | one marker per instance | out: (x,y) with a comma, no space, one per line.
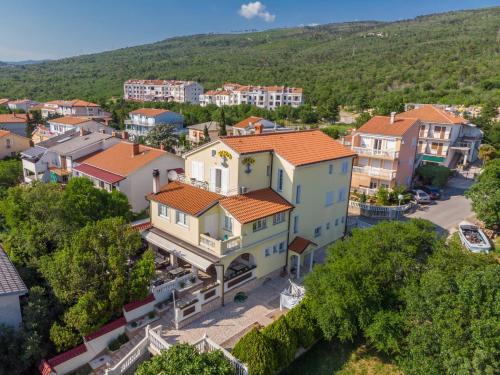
(400,197)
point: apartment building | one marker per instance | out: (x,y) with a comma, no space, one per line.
(249,207)
(268,97)
(444,138)
(162,90)
(75,107)
(142,120)
(127,167)
(62,125)
(386,149)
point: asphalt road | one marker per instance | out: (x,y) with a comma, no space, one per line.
(451,209)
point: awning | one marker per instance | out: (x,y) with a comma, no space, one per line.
(177,250)
(434,159)
(98,173)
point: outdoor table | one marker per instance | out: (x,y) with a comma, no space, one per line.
(238,267)
(176,272)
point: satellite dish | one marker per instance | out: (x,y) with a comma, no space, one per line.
(172,175)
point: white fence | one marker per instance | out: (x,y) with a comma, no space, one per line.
(205,345)
(164,291)
(380,211)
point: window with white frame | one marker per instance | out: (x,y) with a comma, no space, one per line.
(228,223)
(163,211)
(329,198)
(281,248)
(259,225)
(280,180)
(330,168)
(317,231)
(298,193)
(278,218)
(296,224)
(181,218)
(345,166)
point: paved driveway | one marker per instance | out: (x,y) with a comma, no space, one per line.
(451,209)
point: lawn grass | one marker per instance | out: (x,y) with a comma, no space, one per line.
(333,358)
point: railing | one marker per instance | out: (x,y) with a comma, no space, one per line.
(240,279)
(156,342)
(205,345)
(220,247)
(206,186)
(374,152)
(367,191)
(163,291)
(380,211)
(375,172)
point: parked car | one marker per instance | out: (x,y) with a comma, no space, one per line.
(420,196)
(434,192)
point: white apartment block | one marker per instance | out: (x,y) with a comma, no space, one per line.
(162,90)
(268,97)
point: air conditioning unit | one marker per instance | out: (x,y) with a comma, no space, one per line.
(243,189)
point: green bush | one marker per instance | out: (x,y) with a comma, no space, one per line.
(435,175)
(303,324)
(284,340)
(256,350)
(118,342)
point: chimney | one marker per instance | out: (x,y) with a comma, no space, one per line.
(135,149)
(393,117)
(113,133)
(125,135)
(156,181)
(258,128)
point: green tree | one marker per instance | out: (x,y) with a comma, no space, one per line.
(141,275)
(222,122)
(330,110)
(485,195)
(11,347)
(284,341)
(11,173)
(256,350)
(184,359)
(301,320)
(163,134)
(206,135)
(307,114)
(487,153)
(362,119)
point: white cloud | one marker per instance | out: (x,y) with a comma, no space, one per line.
(256,9)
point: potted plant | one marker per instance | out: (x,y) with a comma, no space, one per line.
(182,284)
(225,156)
(192,279)
(248,161)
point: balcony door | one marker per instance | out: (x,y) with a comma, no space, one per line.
(219,180)
(377,144)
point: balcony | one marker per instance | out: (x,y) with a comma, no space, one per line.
(206,186)
(220,247)
(386,174)
(374,152)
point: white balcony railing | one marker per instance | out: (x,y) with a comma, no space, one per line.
(206,186)
(374,152)
(220,247)
(387,174)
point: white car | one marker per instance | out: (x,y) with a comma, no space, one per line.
(421,196)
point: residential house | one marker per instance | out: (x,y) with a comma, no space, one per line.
(75,107)
(11,144)
(127,167)
(444,138)
(250,207)
(24,105)
(14,122)
(144,119)
(55,158)
(256,125)
(4,102)
(11,288)
(162,90)
(268,97)
(196,132)
(61,125)
(386,148)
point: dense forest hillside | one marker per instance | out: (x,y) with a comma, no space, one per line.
(452,57)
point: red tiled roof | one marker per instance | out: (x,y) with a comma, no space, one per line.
(246,122)
(66,356)
(382,125)
(100,174)
(135,304)
(149,111)
(13,118)
(186,198)
(298,148)
(70,120)
(106,328)
(255,205)
(44,368)
(431,113)
(299,245)
(142,226)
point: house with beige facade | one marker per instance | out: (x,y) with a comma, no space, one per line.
(386,148)
(14,122)
(127,167)
(75,107)
(12,144)
(250,207)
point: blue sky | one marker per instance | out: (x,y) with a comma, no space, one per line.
(36,29)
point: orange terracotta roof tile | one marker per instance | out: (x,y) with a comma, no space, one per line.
(70,120)
(382,125)
(299,244)
(255,205)
(431,113)
(149,111)
(186,198)
(298,148)
(244,123)
(119,159)
(4,133)
(83,103)
(13,118)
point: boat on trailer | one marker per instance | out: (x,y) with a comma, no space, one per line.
(473,238)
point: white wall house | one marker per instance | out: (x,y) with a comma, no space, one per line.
(21,105)
(142,120)
(162,90)
(268,97)
(11,288)
(75,107)
(62,125)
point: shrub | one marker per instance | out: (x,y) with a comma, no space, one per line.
(118,342)
(284,340)
(382,196)
(151,315)
(302,322)
(435,175)
(256,350)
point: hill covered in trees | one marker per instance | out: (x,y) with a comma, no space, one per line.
(450,57)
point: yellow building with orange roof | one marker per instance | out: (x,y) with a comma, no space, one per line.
(12,144)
